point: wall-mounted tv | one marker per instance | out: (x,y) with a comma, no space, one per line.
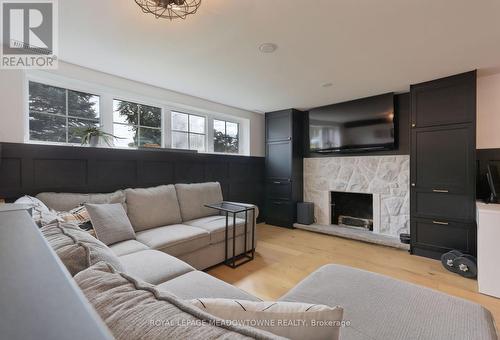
(362,125)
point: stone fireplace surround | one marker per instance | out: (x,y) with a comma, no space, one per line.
(386,177)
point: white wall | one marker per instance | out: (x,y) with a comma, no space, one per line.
(488,112)
(13,124)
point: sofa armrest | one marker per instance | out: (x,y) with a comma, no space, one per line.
(242,215)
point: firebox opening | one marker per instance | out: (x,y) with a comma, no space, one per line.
(352,209)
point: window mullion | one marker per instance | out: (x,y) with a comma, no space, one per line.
(67,119)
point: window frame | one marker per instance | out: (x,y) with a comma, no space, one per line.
(66,114)
(226,136)
(188,132)
(108,92)
(138,102)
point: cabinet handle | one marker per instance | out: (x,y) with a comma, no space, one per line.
(277,182)
(413,125)
(444,191)
(440,223)
(277,203)
(413,184)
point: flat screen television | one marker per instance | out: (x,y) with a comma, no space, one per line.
(362,125)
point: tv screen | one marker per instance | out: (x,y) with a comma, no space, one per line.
(366,124)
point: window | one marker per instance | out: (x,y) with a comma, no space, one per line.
(136,125)
(226,136)
(60,115)
(188,131)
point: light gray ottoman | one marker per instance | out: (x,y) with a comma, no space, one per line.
(382,308)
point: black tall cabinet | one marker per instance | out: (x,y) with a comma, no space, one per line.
(442,176)
(284,166)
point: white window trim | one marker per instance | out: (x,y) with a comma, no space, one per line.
(107,94)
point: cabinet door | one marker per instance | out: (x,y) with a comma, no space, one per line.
(279,160)
(458,207)
(280,213)
(279,190)
(279,126)
(450,100)
(435,237)
(443,159)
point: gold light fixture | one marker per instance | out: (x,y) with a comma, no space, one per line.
(169,9)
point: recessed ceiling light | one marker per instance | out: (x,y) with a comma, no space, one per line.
(268,47)
(327,85)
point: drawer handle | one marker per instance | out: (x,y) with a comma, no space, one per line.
(277,182)
(440,223)
(444,191)
(277,203)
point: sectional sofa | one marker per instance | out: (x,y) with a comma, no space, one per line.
(162,267)
(171,219)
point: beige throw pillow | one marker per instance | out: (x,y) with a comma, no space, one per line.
(287,319)
(110,223)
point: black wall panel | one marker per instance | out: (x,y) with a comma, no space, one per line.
(30,169)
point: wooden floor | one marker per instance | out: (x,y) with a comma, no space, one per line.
(285,257)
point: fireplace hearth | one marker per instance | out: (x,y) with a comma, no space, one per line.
(352,210)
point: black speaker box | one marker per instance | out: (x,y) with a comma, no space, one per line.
(305,213)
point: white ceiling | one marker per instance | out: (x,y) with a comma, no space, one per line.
(363,47)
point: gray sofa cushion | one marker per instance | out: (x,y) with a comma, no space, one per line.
(153,266)
(381,308)
(76,248)
(177,239)
(193,197)
(127,247)
(133,309)
(216,226)
(68,201)
(198,284)
(110,222)
(153,207)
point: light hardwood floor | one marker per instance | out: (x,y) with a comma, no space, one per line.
(284,257)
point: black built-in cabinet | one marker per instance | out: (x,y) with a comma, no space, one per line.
(284,166)
(442,176)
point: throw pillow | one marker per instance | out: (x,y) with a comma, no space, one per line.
(288,319)
(133,309)
(78,215)
(76,248)
(41,214)
(110,222)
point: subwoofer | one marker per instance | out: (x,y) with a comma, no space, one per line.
(305,213)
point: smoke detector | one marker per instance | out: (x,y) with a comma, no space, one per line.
(268,47)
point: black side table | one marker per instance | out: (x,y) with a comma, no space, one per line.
(248,254)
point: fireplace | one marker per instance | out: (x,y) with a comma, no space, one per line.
(352,209)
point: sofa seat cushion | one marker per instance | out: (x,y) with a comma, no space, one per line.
(216,226)
(153,207)
(127,247)
(198,284)
(134,309)
(382,308)
(177,239)
(194,197)
(153,266)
